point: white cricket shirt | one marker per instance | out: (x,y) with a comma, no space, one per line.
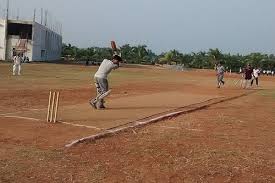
(105,68)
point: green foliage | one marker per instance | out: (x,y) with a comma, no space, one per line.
(92,53)
(137,54)
(140,54)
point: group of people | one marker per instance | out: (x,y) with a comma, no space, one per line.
(100,77)
(101,82)
(249,75)
(269,72)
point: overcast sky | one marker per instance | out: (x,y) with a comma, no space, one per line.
(236,26)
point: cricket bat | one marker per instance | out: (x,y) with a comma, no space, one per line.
(113,45)
(115,49)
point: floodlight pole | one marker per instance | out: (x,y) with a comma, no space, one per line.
(7,13)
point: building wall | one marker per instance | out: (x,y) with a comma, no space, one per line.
(47,45)
(12,42)
(3,25)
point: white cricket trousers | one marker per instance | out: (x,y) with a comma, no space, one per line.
(16,69)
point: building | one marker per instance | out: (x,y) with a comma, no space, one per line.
(33,40)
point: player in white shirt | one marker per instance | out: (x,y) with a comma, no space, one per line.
(17,60)
(256,73)
(101,80)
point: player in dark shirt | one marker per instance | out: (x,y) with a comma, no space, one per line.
(248,72)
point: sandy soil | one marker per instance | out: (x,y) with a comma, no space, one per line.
(229,142)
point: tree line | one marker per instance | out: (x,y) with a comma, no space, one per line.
(142,55)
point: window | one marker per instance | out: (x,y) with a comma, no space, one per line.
(22,30)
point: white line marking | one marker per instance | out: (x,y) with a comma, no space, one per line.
(178,128)
(192,129)
(22,117)
(23,111)
(160,117)
(35,119)
(37,109)
(10,113)
(78,125)
(170,127)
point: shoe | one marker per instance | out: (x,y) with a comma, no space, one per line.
(102,107)
(93,104)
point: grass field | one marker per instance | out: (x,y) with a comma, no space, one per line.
(227,141)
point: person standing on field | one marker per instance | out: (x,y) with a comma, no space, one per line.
(101,80)
(220,74)
(248,72)
(17,61)
(256,73)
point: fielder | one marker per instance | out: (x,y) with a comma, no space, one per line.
(17,60)
(220,75)
(101,81)
(256,73)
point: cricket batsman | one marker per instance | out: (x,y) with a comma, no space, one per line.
(101,80)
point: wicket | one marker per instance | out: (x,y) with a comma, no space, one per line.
(53,106)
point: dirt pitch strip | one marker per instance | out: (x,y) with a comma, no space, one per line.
(155,118)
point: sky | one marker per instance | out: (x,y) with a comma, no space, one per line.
(233,26)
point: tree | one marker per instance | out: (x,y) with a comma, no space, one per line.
(142,55)
(171,57)
(137,54)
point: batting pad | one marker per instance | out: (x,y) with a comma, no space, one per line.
(102,96)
